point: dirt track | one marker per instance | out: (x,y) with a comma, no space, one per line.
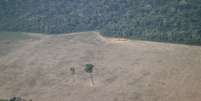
(124,70)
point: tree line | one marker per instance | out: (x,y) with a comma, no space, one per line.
(157,20)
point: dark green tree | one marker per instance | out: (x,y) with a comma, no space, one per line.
(89,69)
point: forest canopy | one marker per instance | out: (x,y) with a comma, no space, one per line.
(157,20)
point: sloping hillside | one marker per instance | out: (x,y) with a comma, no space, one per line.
(10,41)
(124,70)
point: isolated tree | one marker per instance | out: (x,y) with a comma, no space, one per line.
(89,69)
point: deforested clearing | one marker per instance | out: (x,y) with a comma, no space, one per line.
(124,70)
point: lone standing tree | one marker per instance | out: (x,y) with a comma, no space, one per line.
(89,69)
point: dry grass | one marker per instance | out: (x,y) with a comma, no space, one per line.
(124,70)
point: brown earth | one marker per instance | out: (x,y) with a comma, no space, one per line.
(125,70)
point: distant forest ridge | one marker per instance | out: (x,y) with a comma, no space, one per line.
(157,20)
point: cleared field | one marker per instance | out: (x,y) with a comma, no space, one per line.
(124,70)
(10,41)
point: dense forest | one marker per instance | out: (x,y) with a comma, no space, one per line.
(157,20)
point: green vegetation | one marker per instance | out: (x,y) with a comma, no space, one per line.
(157,20)
(89,69)
(12,36)
(3,100)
